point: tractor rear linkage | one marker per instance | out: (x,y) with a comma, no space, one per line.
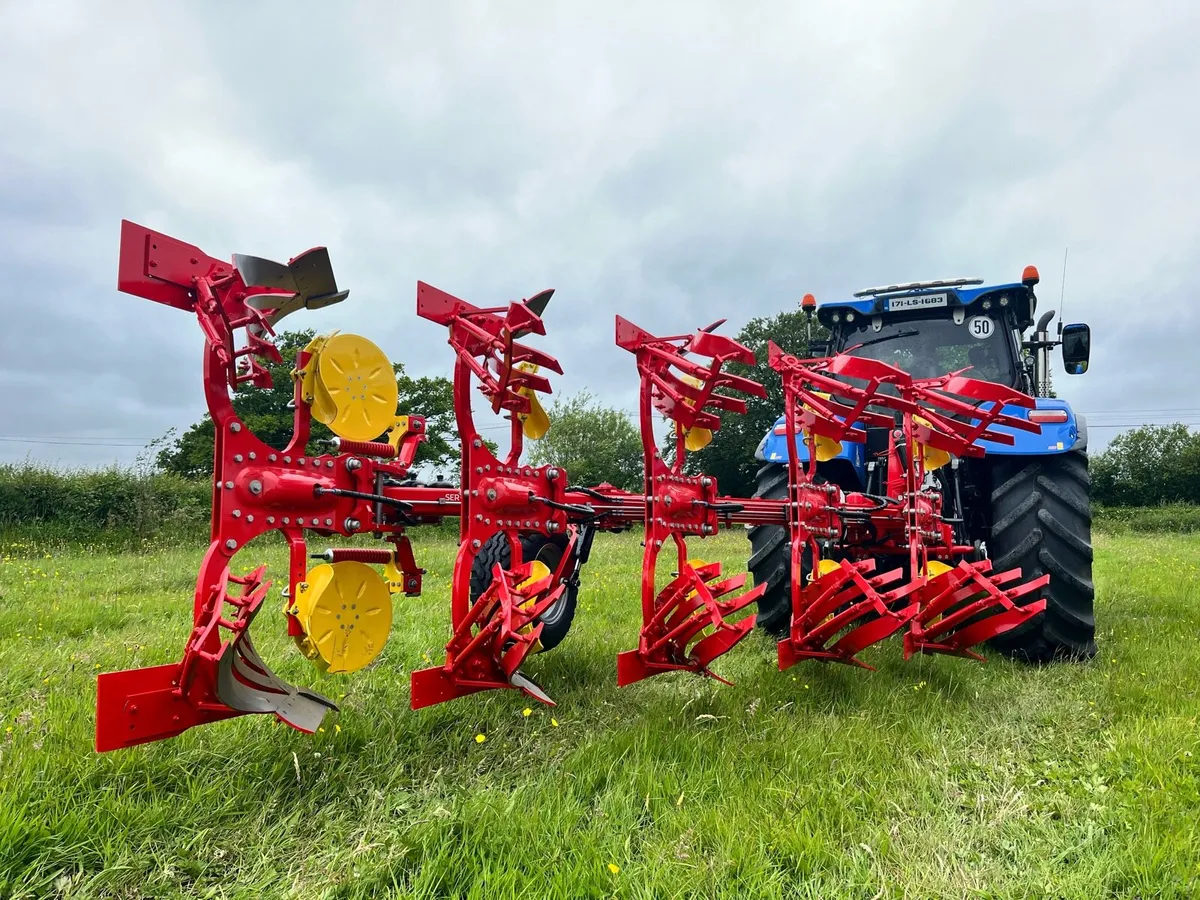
(944,598)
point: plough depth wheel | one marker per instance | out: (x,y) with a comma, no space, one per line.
(550,552)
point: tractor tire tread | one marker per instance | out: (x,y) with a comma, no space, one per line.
(770,556)
(1042,523)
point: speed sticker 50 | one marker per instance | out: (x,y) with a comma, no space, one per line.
(980,327)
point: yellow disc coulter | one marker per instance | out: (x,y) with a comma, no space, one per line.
(345,610)
(350,385)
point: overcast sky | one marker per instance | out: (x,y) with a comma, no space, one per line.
(675,163)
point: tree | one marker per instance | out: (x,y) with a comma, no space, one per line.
(1147,466)
(592,442)
(266,413)
(730,456)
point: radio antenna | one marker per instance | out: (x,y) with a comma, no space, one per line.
(1063,291)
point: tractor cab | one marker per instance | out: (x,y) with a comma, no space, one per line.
(934,327)
(930,328)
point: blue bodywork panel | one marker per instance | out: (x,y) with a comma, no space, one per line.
(773,448)
(1054,438)
(1020,297)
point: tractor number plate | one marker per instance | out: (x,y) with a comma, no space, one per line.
(922,302)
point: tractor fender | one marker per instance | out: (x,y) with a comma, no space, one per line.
(1055,437)
(1081,428)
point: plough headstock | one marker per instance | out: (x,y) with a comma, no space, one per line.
(525,532)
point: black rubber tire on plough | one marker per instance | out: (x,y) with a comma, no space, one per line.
(556,621)
(1042,522)
(770,556)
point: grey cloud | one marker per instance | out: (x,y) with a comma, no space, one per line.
(676,163)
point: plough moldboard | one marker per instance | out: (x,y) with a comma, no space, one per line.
(864,566)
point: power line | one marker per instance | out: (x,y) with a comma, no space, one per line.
(92,442)
(1092,427)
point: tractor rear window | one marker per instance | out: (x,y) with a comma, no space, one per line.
(927,348)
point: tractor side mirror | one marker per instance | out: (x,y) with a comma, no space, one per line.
(1076,348)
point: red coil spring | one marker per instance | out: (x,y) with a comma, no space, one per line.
(362,555)
(378,449)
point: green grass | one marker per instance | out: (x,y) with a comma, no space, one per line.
(934,778)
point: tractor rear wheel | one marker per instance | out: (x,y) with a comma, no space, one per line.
(1042,522)
(771,556)
(556,620)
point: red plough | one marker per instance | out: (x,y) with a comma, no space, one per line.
(524,531)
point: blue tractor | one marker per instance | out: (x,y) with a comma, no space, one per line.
(1025,504)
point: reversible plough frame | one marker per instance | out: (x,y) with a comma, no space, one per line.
(939,593)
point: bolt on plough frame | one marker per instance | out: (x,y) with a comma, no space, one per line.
(940,594)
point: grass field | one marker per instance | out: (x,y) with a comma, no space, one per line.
(938,777)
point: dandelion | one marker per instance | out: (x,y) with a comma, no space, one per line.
(321,730)
(554,722)
(337,729)
(527,712)
(614,868)
(480,738)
